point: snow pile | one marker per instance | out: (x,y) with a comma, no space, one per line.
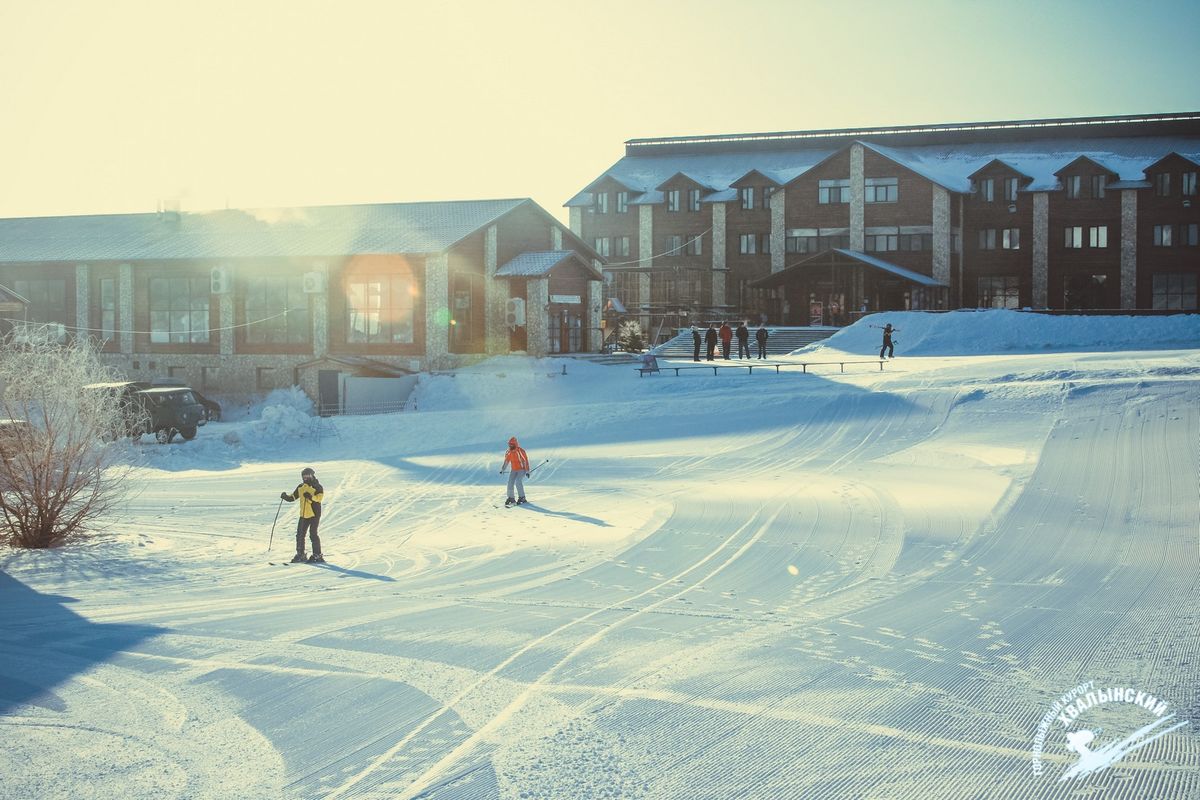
(1000,331)
(292,397)
(282,422)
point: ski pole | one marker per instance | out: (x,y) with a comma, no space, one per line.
(272,539)
(547,461)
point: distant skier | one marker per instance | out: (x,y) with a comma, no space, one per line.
(310,493)
(517,462)
(695,344)
(761,337)
(710,340)
(888,330)
(743,337)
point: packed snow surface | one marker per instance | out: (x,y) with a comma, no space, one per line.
(794,584)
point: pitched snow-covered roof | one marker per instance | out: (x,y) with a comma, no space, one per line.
(312,231)
(538,264)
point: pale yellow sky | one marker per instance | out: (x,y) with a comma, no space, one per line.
(115,106)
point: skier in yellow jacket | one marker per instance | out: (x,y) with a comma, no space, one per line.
(310,493)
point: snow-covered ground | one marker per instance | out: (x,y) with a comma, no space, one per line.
(862,585)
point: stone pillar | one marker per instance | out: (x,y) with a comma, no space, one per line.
(495,298)
(537,316)
(83,296)
(225,316)
(1041,249)
(555,237)
(593,311)
(577,221)
(718,254)
(858,197)
(318,304)
(645,259)
(437,312)
(1128,248)
(941,235)
(778,233)
(125,307)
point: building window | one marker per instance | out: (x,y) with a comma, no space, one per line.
(675,287)
(179,310)
(1010,189)
(833,191)
(999,291)
(800,244)
(695,245)
(882,190)
(1099,182)
(1162,184)
(746,244)
(832,243)
(918,242)
(1174,292)
(276,311)
(1187,184)
(1073,237)
(1098,236)
(622,246)
(987,239)
(625,286)
(1010,239)
(601,245)
(1189,234)
(1072,184)
(882,242)
(765,244)
(108,308)
(747,195)
(987,190)
(602,203)
(1162,235)
(622,202)
(673,200)
(47,300)
(379,310)
(767,192)
(672,245)
(956,242)
(693,199)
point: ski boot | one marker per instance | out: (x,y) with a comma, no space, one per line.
(316,558)
(509,502)
(521,501)
(299,558)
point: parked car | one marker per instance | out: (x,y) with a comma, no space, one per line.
(212,409)
(162,410)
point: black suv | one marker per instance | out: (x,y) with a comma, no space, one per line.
(163,411)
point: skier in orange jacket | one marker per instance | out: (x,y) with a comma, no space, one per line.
(517,462)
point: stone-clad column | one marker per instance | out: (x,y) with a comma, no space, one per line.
(83,294)
(437,312)
(941,235)
(858,196)
(593,336)
(1128,248)
(1041,249)
(225,315)
(318,303)
(645,260)
(778,233)
(718,254)
(555,237)
(495,298)
(125,295)
(576,221)
(537,316)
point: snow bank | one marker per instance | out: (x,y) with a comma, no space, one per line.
(998,331)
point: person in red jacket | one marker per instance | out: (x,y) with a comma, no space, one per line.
(517,462)
(726,338)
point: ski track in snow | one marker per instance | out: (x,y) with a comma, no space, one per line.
(794,586)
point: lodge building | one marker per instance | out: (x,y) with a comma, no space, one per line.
(247,301)
(816,227)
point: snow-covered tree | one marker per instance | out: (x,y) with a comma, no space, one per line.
(58,473)
(630,337)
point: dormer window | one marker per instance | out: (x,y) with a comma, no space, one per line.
(1187,184)
(622,202)
(1099,182)
(767,192)
(602,202)
(1010,190)
(747,195)
(987,189)
(694,200)
(1162,184)
(1071,184)
(673,200)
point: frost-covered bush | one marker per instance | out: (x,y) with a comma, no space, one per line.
(630,337)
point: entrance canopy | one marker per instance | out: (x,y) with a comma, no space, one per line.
(840,258)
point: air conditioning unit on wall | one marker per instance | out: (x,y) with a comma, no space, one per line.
(221,280)
(314,282)
(515,312)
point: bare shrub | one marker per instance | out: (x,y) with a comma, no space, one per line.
(59,474)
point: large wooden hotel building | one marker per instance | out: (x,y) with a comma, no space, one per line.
(815,227)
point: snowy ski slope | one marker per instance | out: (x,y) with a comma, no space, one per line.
(860,585)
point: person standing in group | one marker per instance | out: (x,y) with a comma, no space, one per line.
(888,345)
(710,339)
(310,493)
(743,337)
(726,339)
(695,344)
(516,460)
(761,337)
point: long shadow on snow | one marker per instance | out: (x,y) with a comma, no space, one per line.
(354,573)
(45,645)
